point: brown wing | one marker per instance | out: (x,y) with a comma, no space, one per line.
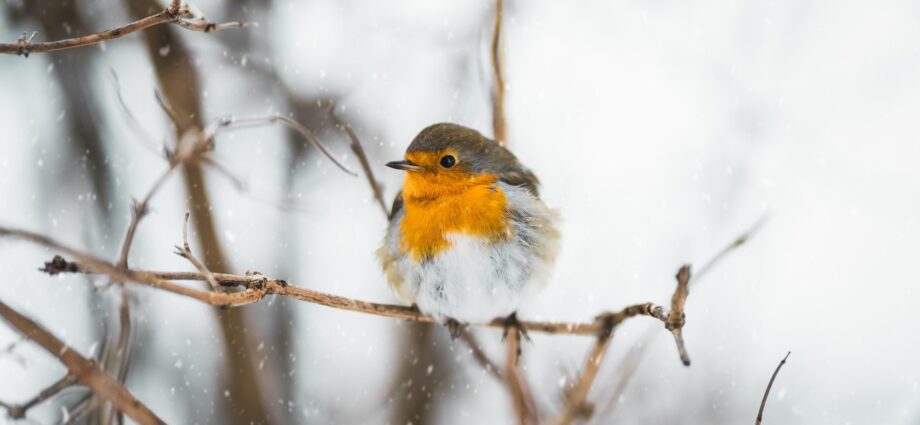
(521,177)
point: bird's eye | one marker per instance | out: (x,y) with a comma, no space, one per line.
(448,161)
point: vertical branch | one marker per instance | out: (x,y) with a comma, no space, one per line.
(414,377)
(676,317)
(479,355)
(498,90)
(521,397)
(576,397)
(179,82)
(763,403)
(73,72)
(358,150)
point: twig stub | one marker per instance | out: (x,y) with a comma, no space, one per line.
(59,265)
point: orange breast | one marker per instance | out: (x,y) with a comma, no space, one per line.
(438,205)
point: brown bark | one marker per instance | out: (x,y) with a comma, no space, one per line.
(178,80)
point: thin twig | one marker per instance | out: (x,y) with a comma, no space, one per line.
(576,395)
(735,244)
(633,359)
(133,122)
(358,150)
(258,286)
(498,91)
(252,122)
(84,370)
(186,252)
(525,409)
(478,354)
(766,393)
(175,14)
(18,411)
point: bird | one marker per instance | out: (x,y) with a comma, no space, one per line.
(469,239)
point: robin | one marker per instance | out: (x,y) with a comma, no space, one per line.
(469,239)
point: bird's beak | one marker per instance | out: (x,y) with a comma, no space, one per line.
(404,165)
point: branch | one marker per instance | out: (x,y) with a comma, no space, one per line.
(631,362)
(358,150)
(249,122)
(185,252)
(676,317)
(83,370)
(479,355)
(138,211)
(763,403)
(576,405)
(175,13)
(18,411)
(498,94)
(525,408)
(258,286)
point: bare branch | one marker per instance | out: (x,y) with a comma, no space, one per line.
(175,14)
(18,411)
(358,150)
(133,122)
(676,317)
(258,286)
(766,393)
(735,244)
(480,356)
(633,359)
(138,211)
(186,252)
(84,370)
(525,409)
(576,395)
(498,91)
(250,122)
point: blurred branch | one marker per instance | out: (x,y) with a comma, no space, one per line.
(577,406)
(248,122)
(358,150)
(83,370)
(18,411)
(186,252)
(633,359)
(766,393)
(498,92)
(525,408)
(176,13)
(138,211)
(480,356)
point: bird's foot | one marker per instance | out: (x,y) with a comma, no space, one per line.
(512,322)
(455,328)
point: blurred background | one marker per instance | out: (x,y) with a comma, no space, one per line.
(661,130)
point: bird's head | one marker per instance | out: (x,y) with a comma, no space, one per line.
(449,158)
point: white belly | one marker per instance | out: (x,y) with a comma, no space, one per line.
(476,281)
(473,281)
